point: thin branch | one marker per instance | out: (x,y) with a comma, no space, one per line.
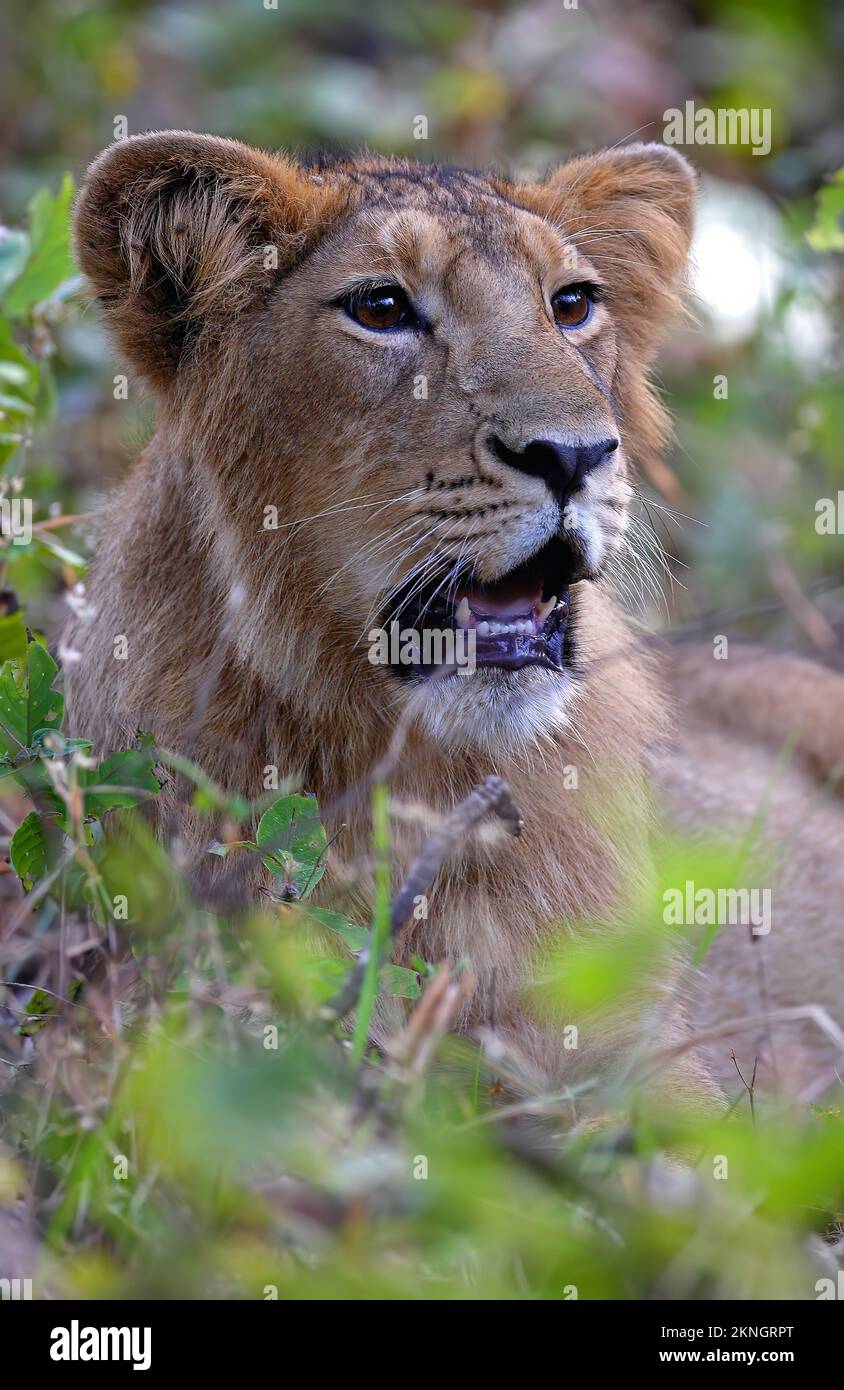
(751,1088)
(492,796)
(814,1013)
(805,614)
(54,523)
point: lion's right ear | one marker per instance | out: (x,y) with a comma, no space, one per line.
(175,232)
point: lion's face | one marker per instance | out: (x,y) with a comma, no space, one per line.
(470,353)
(436,393)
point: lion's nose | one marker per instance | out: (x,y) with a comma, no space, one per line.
(563,466)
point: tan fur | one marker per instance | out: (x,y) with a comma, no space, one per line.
(247,646)
(759,752)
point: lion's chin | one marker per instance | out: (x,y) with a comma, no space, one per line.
(495,710)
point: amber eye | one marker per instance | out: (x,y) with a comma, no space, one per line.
(573,305)
(381,308)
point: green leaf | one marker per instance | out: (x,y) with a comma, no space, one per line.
(16,374)
(16,369)
(19,381)
(324,974)
(14,249)
(43,1007)
(392,979)
(40,1004)
(28,850)
(28,702)
(13,640)
(356,938)
(123,779)
(62,746)
(50,259)
(33,776)
(395,979)
(827,233)
(14,403)
(208,796)
(293,841)
(62,552)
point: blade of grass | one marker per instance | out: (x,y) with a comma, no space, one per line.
(381,929)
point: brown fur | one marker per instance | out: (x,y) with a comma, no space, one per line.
(248,644)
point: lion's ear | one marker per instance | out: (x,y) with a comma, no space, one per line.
(631,211)
(176,231)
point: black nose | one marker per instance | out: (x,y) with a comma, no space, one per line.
(563,466)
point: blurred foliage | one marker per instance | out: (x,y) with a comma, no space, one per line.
(189,1118)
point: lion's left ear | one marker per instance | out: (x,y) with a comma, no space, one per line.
(631,211)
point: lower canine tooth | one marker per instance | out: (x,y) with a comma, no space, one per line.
(483,629)
(464,613)
(543,609)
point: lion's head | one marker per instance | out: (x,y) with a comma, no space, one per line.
(396,393)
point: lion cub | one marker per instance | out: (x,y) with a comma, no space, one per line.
(404,398)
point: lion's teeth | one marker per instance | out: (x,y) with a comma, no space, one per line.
(464,613)
(543,609)
(519,627)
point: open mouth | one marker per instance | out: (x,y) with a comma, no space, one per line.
(517,620)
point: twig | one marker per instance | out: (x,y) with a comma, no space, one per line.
(382,920)
(432,1018)
(806,614)
(490,796)
(750,1089)
(814,1013)
(55,522)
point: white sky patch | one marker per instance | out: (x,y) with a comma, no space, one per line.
(738,260)
(808,332)
(742,260)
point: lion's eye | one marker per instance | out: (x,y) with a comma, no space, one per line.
(573,305)
(381,308)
